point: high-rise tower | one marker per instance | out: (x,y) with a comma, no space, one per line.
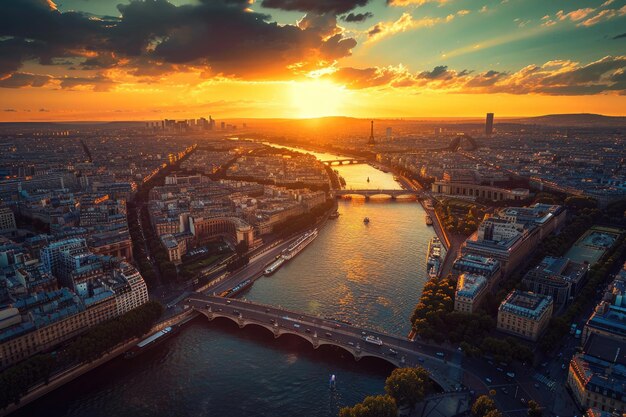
(489,124)
(371,141)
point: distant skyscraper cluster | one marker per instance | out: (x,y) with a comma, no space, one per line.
(189,125)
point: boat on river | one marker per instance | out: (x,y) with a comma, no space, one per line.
(433,257)
(301,243)
(366,220)
(151,341)
(429,220)
(273,267)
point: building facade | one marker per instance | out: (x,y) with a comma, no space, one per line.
(524,314)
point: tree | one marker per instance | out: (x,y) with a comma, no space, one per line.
(534,410)
(482,406)
(407,385)
(494,413)
(372,406)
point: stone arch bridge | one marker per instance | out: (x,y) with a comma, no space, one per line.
(319,331)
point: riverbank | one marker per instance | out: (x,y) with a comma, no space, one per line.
(58,380)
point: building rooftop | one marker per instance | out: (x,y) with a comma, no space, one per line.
(602,366)
(469,285)
(526,304)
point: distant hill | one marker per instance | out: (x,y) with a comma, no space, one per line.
(573,120)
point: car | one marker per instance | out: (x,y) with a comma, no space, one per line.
(440,354)
(536,385)
(337,325)
(236,312)
(420,360)
(351,343)
(562,366)
(296,325)
(272,321)
(488,380)
(227,301)
(363,333)
(505,391)
(459,349)
(523,400)
(328,334)
(499,369)
(393,352)
(308,330)
(267,310)
(219,309)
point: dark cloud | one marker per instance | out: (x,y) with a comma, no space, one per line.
(621,36)
(553,78)
(357,78)
(438,72)
(358,17)
(42,110)
(485,79)
(155,37)
(377,28)
(99,83)
(588,73)
(317,6)
(23,79)
(10,110)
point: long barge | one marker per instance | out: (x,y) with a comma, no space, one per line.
(433,257)
(151,341)
(301,243)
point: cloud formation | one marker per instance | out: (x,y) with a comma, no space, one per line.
(402,3)
(587,16)
(406,22)
(220,37)
(23,79)
(358,17)
(317,6)
(552,78)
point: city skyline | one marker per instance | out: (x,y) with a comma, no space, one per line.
(93,60)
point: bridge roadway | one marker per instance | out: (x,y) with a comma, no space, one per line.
(346,161)
(369,193)
(320,331)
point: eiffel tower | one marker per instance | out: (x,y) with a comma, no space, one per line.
(371,141)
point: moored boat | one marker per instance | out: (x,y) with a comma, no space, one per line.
(273,267)
(433,257)
(301,243)
(151,341)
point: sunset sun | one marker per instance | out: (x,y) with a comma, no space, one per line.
(317,99)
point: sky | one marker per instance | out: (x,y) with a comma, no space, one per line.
(155,59)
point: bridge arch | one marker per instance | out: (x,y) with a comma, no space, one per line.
(277,332)
(380,197)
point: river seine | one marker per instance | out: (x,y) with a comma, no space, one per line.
(371,275)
